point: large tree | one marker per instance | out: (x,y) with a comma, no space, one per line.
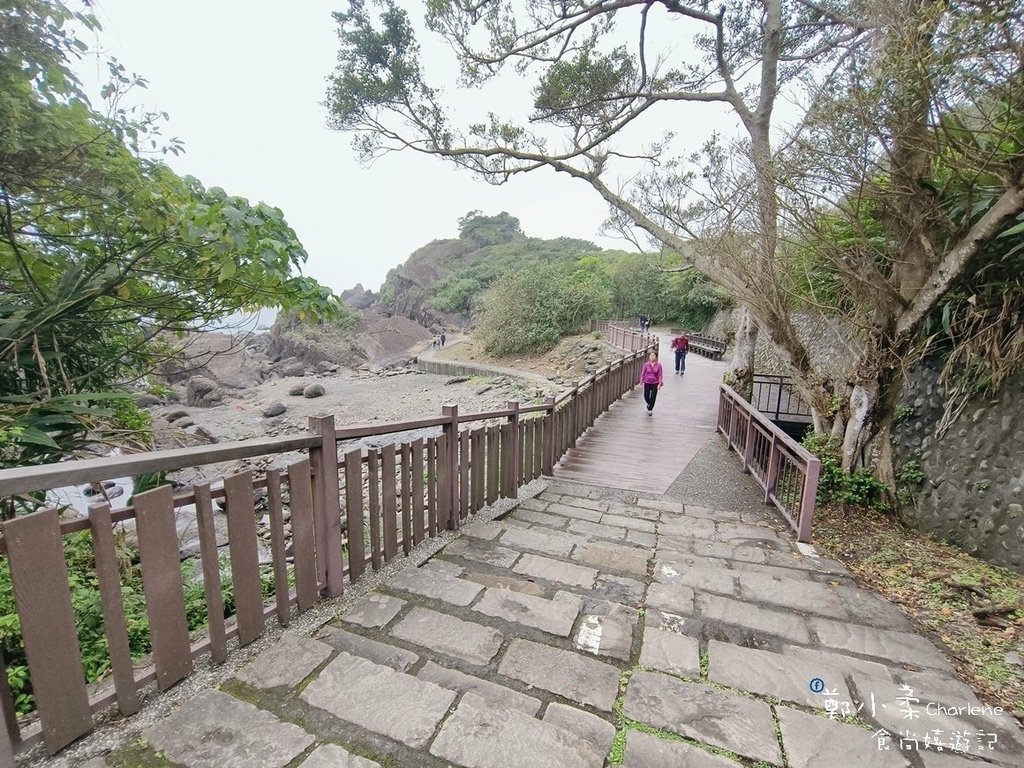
(106,255)
(603,71)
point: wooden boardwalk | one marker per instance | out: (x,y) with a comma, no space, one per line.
(628,449)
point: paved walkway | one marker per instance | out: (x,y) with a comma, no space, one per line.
(591,628)
(628,449)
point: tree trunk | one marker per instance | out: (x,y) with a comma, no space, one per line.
(741,370)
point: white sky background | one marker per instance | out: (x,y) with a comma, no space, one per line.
(243,82)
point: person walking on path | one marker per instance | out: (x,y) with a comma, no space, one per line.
(681,345)
(652,379)
(443,337)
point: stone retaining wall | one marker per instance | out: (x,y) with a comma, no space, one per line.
(973,491)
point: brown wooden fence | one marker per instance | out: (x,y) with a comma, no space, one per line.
(624,335)
(786,470)
(348,510)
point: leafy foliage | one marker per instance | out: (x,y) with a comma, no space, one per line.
(103,247)
(531,309)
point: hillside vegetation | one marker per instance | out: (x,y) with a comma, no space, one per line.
(525,293)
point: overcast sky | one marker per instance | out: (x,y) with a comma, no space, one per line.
(243,82)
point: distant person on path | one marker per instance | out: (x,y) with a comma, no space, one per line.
(681,345)
(652,379)
(643,321)
(437,343)
(442,339)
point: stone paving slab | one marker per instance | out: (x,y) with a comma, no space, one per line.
(674,598)
(556,617)
(492,693)
(289,661)
(688,527)
(869,608)
(741,614)
(483,552)
(541,567)
(897,647)
(215,730)
(483,736)
(333,756)
(488,531)
(669,570)
(812,741)
(575,512)
(570,675)
(641,539)
(532,516)
(700,712)
(629,522)
(583,502)
(621,507)
(450,636)
(620,588)
(598,530)
(503,581)
(645,750)
(614,557)
(398,659)
(670,652)
(802,596)
(845,664)
(437,580)
(605,636)
(772,674)
(598,733)
(380,699)
(373,611)
(547,542)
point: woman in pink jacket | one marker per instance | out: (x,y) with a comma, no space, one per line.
(651,378)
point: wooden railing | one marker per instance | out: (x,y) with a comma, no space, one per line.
(621,334)
(785,469)
(391,498)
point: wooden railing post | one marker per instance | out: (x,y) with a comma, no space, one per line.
(327,506)
(451,430)
(548,462)
(808,500)
(514,459)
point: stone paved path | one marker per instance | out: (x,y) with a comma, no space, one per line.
(589,628)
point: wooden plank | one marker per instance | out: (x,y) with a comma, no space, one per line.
(39,578)
(387,471)
(526,464)
(431,487)
(493,441)
(538,448)
(277,547)
(161,580)
(323,460)
(354,512)
(478,466)
(85,471)
(464,459)
(108,577)
(245,557)
(418,525)
(211,573)
(445,479)
(406,468)
(505,457)
(373,470)
(300,493)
